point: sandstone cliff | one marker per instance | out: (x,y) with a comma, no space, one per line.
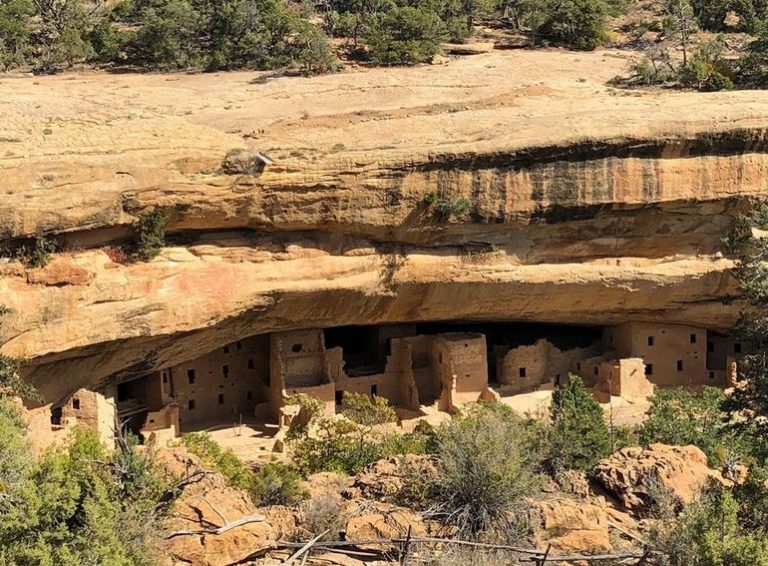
(587,204)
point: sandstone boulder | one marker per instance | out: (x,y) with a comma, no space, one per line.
(571,525)
(632,475)
(214,524)
(384,521)
(386,478)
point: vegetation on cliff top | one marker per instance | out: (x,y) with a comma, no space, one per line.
(269,34)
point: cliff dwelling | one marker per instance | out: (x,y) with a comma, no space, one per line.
(435,259)
(421,369)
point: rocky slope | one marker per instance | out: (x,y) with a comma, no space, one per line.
(587,204)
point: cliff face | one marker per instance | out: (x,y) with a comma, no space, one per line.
(586,204)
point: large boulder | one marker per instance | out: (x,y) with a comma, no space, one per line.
(386,478)
(635,475)
(214,524)
(572,525)
(374,521)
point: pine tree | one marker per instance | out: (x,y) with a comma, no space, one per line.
(579,435)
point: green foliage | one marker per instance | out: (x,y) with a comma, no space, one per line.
(218,35)
(64,34)
(150,235)
(15,32)
(277,484)
(446,207)
(487,463)
(679,417)
(404,36)
(39,254)
(752,497)
(708,533)
(751,397)
(579,436)
(74,506)
(310,405)
(579,24)
(367,410)
(310,408)
(711,14)
(708,68)
(311,50)
(11,384)
(576,23)
(348,445)
(223,461)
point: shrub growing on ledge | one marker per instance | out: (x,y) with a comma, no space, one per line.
(446,207)
(38,254)
(150,235)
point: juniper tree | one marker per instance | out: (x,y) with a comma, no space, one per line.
(579,434)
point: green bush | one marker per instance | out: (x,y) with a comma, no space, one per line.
(707,533)
(404,36)
(11,383)
(223,461)
(39,254)
(277,484)
(217,35)
(349,445)
(679,417)
(15,32)
(446,206)
(487,462)
(717,81)
(76,505)
(579,436)
(576,23)
(150,235)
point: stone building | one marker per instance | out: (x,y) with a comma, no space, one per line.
(673,354)
(538,366)
(440,371)
(416,370)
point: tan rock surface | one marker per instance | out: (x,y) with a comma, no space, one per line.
(634,475)
(589,204)
(572,526)
(210,503)
(387,478)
